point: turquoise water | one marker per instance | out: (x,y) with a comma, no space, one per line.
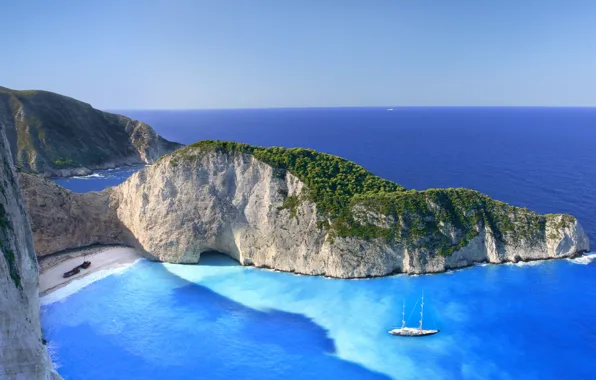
(219,320)
(98,180)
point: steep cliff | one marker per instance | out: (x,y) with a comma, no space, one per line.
(22,353)
(62,219)
(302,211)
(55,135)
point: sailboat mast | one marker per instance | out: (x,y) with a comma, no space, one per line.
(403,316)
(421,311)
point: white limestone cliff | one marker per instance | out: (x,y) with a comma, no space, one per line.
(23,355)
(233,203)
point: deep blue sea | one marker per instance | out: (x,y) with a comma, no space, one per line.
(219,320)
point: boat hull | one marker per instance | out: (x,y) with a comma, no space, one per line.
(410,332)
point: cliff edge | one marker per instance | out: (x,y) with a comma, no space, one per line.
(54,135)
(302,211)
(22,352)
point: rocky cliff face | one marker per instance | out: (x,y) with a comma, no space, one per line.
(22,353)
(234,203)
(54,135)
(199,200)
(62,219)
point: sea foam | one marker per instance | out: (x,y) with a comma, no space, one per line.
(93,175)
(585,259)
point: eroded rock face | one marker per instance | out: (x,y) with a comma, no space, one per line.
(22,353)
(61,219)
(225,203)
(55,135)
(234,203)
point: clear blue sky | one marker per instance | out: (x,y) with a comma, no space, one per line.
(252,53)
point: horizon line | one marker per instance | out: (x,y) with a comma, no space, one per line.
(334,107)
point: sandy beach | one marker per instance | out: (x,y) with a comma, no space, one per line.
(53,267)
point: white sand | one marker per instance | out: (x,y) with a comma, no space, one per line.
(50,277)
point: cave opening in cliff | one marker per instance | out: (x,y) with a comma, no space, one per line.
(216,258)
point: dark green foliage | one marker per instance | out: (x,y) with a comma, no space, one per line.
(291,203)
(65,162)
(5,227)
(279,173)
(4,223)
(443,220)
(12,266)
(362,205)
(332,181)
(8,253)
(323,224)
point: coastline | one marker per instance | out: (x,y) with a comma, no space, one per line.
(103,258)
(578,258)
(109,260)
(109,257)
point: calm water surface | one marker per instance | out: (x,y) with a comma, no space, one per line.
(219,320)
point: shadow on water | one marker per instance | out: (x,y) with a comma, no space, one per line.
(182,330)
(217,259)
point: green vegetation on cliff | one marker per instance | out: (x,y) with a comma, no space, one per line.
(6,228)
(353,202)
(65,162)
(332,181)
(9,256)
(291,203)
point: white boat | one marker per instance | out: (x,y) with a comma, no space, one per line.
(412,331)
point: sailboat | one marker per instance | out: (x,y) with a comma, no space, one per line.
(412,331)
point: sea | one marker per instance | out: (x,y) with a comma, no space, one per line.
(219,320)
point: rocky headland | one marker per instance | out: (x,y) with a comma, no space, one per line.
(22,351)
(294,210)
(55,135)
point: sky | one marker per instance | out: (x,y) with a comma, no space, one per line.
(198,54)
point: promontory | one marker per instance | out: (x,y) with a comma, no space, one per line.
(54,135)
(294,210)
